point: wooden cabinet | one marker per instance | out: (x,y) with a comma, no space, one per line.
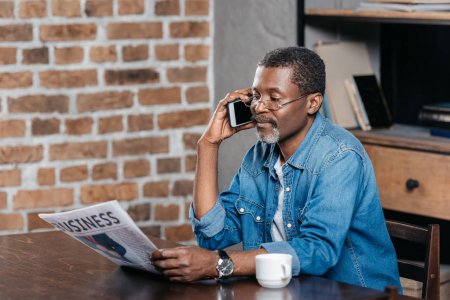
(412,169)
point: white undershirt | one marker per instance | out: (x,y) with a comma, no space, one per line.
(277,225)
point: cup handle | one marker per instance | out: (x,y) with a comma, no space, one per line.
(285,271)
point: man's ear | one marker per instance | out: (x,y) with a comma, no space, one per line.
(314,103)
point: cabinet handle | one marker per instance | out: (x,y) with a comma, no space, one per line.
(411,184)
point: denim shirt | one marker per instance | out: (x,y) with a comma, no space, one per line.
(332,214)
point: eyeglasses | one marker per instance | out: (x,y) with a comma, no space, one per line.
(271,104)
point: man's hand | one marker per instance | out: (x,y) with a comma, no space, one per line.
(186,263)
(219,126)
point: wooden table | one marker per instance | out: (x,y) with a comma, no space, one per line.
(51,265)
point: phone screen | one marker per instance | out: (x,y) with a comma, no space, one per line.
(239,114)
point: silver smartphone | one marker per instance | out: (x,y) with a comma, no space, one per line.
(238,113)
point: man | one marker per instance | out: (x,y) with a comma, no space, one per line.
(306,188)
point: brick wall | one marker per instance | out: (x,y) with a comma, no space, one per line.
(102,100)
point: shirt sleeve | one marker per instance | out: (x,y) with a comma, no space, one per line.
(220,227)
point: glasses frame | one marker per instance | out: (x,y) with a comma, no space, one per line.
(255,102)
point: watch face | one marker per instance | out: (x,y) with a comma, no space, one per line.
(225,267)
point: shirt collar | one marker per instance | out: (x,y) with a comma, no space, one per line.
(301,155)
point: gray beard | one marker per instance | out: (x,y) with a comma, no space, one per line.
(271,138)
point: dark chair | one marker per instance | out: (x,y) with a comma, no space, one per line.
(428,271)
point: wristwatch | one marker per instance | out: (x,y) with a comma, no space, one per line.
(225,265)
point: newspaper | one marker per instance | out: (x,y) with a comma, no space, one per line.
(110,231)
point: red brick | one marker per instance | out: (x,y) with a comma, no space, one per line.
(167,7)
(45,126)
(152,230)
(100,193)
(79,126)
(190,140)
(99,8)
(196,52)
(197,7)
(190,163)
(66,8)
(12,128)
(68,79)
(33,9)
(183,188)
(74,173)
(12,221)
(187,74)
(7,55)
(68,55)
(35,56)
(67,32)
(160,96)
(103,54)
(131,76)
(168,165)
(10,177)
(144,30)
(167,52)
(140,122)
(43,198)
(169,212)
(20,154)
(136,168)
(197,94)
(186,118)
(39,104)
(188,29)
(135,53)
(156,189)
(104,101)
(69,151)
(16,33)
(46,176)
(139,146)
(131,7)
(3,200)
(139,212)
(179,233)
(110,124)
(7,9)
(16,80)
(104,171)
(34,222)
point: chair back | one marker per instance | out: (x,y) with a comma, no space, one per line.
(428,271)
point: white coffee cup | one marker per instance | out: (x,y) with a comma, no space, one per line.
(273,270)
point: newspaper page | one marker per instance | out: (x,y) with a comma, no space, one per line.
(109,230)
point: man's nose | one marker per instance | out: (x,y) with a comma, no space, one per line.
(260,107)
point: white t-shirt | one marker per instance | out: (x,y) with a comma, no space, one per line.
(277,230)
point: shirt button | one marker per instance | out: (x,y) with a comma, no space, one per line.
(258,218)
(288,189)
(242,210)
(289,225)
(268,223)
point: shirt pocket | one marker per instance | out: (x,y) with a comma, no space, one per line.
(249,208)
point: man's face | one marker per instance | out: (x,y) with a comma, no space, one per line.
(274,84)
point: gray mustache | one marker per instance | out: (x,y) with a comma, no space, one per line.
(262,119)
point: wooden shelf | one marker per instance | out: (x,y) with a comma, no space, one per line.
(405,137)
(380,16)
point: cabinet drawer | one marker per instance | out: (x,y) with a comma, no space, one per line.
(393,169)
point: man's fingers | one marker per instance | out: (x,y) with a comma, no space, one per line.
(167,264)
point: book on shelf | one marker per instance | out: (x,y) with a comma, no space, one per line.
(357,105)
(436,115)
(440,132)
(342,60)
(373,102)
(420,7)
